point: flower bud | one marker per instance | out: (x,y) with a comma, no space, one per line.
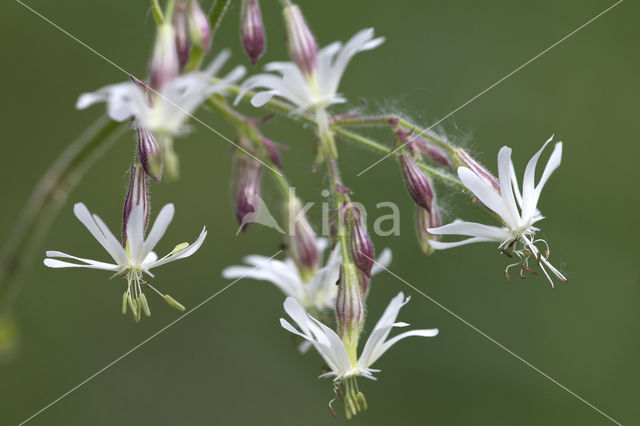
(427,219)
(436,154)
(246,188)
(252,29)
(199,28)
(302,45)
(462,159)
(272,148)
(302,241)
(350,308)
(150,153)
(417,183)
(137,194)
(180,26)
(164,63)
(361,246)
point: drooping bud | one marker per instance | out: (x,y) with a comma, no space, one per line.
(427,219)
(150,153)
(272,148)
(361,246)
(462,159)
(302,240)
(434,153)
(199,28)
(181,28)
(302,46)
(416,182)
(252,29)
(350,309)
(137,195)
(164,63)
(246,188)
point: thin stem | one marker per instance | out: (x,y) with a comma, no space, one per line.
(157,12)
(46,199)
(218,11)
(369,143)
(388,119)
(285,109)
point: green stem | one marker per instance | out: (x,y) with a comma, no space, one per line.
(45,201)
(285,109)
(369,143)
(217,13)
(243,124)
(387,119)
(157,12)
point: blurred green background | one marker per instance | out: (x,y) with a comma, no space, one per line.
(230,363)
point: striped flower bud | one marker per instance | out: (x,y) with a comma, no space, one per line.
(361,246)
(246,189)
(199,28)
(302,241)
(427,219)
(252,30)
(137,194)
(150,153)
(164,62)
(462,159)
(416,182)
(181,29)
(437,155)
(350,308)
(302,46)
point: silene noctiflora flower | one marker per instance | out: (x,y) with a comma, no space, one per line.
(134,260)
(342,367)
(316,294)
(517,210)
(313,87)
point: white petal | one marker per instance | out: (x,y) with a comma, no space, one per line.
(191,249)
(94,264)
(84,216)
(530,193)
(485,192)
(135,234)
(382,262)
(382,349)
(442,245)
(471,229)
(506,192)
(159,227)
(113,242)
(553,163)
(261,98)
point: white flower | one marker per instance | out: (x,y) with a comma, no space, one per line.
(317,89)
(333,351)
(319,293)
(518,232)
(137,259)
(165,111)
